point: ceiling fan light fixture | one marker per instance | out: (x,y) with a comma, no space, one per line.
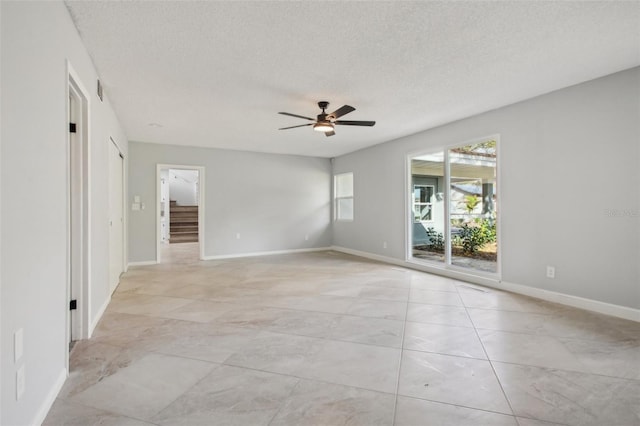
(323,126)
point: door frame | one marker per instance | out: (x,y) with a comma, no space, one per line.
(124,221)
(78,261)
(408,211)
(201,206)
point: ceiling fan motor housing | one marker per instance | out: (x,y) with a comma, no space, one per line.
(323,106)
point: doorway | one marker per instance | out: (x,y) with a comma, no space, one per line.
(454,207)
(180,212)
(116,215)
(78,226)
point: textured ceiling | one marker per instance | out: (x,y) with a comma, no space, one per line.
(215,74)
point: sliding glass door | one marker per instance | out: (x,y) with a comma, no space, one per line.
(454,207)
(428,207)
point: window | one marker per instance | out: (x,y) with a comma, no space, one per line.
(343,190)
(422,202)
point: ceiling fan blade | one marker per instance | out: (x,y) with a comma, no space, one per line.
(331,133)
(293,127)
(345,109)
(354,123)
(296,115)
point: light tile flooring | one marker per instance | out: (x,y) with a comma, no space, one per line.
(329,339)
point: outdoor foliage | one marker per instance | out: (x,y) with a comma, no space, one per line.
(470,236)
(470,202)
(474,235)
(436,240)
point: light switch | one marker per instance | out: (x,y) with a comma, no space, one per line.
(135,206)
(136,198)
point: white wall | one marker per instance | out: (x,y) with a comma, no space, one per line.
(183,187)
(272,200)
(37,39)
(566,158)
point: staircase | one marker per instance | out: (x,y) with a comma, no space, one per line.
(184,223)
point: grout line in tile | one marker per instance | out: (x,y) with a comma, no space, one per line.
(555,336)
(490,362)
(540,420)
(404,328)
(439,323)
(115,413)
(457,405)
(189,388)
(552,369)
(284,402)
(308,379)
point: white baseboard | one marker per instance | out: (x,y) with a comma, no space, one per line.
(96,319)
(368,255)
(265,253)
(143,263)
(550,296)
(574,301)
(42,412)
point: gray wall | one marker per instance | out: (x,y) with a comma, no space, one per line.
(183,187)
(567,159)
(37,40)
(273,201)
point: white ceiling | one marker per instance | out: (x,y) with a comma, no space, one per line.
(215,73)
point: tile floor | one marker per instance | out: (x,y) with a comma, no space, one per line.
(329,339)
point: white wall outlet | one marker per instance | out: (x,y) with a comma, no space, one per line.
(20,383)
(135,207)
(238,236)
(136,198)
(18,345)
(384,245)
(551,272)
(306,237)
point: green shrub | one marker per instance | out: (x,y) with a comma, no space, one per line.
(436,240)
(473,236)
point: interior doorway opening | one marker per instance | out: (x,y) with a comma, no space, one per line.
(116,215)
(78,226)
(180,213)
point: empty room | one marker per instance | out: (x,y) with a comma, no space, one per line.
(397,213)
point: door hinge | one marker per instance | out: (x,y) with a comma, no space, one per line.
(72,127)
(73,305)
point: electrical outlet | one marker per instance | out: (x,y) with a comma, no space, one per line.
(551,272)
(20,383)
(384,245)
(238,236)
(306,237)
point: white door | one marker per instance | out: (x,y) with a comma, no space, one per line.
(116,222)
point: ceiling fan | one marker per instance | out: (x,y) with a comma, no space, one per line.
(326,122)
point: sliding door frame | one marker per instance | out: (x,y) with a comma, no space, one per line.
(447,265)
